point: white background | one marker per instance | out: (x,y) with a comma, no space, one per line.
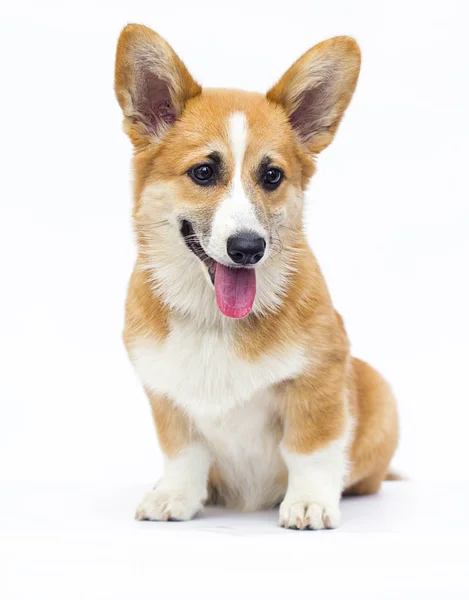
(388,218)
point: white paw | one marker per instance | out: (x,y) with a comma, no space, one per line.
(165,504)
(296,514)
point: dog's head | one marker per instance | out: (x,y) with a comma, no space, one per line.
(220,174)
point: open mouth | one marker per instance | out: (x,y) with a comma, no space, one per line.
(235,287)
(192,242)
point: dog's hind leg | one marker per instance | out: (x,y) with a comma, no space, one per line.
(376,430)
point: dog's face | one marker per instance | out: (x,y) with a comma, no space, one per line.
(220,174)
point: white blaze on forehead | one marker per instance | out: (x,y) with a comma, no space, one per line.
(236,212)
(238,137)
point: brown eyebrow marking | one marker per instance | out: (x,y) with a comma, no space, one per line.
(220,166)
(263,166)
(215,157)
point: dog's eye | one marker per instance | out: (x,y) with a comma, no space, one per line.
(202,174)
(272,178)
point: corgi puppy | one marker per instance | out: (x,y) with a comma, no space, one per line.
(229,323)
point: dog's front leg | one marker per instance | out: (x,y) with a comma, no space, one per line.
(182,491)
(314,448)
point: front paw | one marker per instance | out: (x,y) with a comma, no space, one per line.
(300,514)
(166,504)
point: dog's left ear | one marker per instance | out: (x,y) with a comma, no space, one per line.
(317,88)
(152,84)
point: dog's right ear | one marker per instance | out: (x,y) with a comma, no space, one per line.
(152,84)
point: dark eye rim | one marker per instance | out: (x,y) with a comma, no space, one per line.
(268,185)
(209,181)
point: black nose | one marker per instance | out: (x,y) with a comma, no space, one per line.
(245,248)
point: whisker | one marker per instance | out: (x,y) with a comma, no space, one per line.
(152,225)
(277,245)
(290,228)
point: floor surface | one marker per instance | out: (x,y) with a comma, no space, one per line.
(410,541)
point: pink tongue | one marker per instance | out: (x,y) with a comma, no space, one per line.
(235,290)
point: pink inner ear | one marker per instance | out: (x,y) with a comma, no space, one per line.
(167,113)
(311,115)
(153,101)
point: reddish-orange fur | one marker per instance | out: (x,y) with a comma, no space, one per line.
(314,407)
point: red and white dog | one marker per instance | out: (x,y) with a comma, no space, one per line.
(229,323)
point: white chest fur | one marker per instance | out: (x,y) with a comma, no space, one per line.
(231,401)
(199,370)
